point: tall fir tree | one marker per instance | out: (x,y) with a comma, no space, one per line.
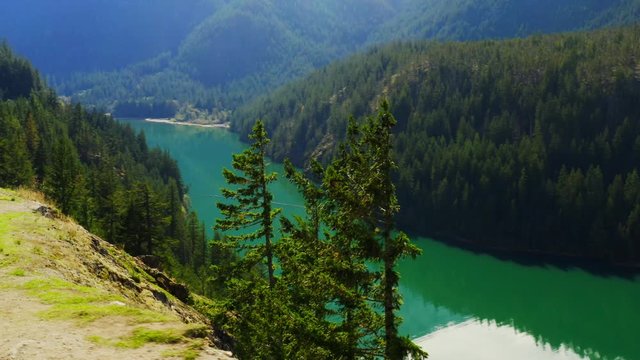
(377,140)
(251,207)
(63,175)
(15,165)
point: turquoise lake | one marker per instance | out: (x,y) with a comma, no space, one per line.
(454,299)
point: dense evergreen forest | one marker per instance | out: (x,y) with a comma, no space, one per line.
(469,19)
(530,145)
(97,171)
(264,282)
(219,54)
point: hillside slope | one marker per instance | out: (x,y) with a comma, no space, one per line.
(96,170)
(482,19)
(66,294)
(530,145)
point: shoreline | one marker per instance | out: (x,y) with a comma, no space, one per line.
(171,122)
(538,258)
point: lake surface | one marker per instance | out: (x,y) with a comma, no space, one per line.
(457,304)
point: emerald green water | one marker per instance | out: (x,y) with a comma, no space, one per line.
(593,317)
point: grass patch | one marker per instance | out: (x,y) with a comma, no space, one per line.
(32,195)
(17,272)
(191,352)
(9,245)
(15,230)
(197,331)
(88,313)
(7,195)
(140,337)
(85,304)
(99,340)
(135,272)
(57,291)
(7,260)
(7,240)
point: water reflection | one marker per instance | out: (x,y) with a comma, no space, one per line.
(476,340)
(596,317)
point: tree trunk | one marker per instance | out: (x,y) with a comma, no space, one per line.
(392,349)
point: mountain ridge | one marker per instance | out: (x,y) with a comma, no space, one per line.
(231,51)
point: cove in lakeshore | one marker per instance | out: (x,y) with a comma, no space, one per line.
(457,304)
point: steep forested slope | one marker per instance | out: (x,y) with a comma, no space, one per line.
(473,19)
(268,38)
(98,171)
(245,48)
(527,144)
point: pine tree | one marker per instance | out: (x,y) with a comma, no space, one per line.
(15,166)
(307,282)
(153,221)
(108,193)
(145,223)
(63,175)
(250,209)
(175,230)
(191,239)
(345,182)
(361,207)
(395,245)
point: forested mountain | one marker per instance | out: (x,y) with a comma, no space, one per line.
(152,58)
(242,49)
(472,19)
(96,170)
(529,145)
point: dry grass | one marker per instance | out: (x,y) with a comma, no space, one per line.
(33,195)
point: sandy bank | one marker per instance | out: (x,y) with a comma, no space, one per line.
(168,121)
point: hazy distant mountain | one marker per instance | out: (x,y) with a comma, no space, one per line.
(221,53)
(242,49)
(258,36)
(66,36)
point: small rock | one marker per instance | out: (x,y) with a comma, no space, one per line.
(47,212)
(152,261)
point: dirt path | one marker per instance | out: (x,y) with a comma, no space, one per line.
(24,336)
